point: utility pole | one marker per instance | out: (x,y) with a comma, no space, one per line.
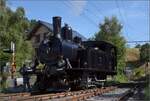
(13,63)
(13,60)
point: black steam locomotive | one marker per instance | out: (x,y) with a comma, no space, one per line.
(71,62)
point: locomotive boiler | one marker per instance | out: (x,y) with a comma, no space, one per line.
(70,62)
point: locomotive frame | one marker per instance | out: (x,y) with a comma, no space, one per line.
(70,62)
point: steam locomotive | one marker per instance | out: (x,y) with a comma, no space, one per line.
(70,62)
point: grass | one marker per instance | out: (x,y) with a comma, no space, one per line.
(133,58)
(138,73)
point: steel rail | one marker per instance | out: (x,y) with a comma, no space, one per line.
(125,95)
(63,96)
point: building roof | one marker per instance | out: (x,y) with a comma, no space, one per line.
(50,28)
(38,24)
(46,24)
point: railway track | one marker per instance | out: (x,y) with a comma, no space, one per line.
(125,95)
(124,92)
(63,96)
(13,96)
(119,94)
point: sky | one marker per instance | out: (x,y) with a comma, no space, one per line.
(85,16)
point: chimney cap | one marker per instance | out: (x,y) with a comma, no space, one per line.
(56,17)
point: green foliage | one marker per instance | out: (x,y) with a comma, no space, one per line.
(13,25)
(121,78)
(3,82)
(33,23)
(145,52)
(110,31)
(2,4)
(138,46)
(138,73)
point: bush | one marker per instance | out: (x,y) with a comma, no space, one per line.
(138,73)
(121,78)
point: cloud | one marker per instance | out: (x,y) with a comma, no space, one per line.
(137,4)
(135,14)
(77,6)
(129,13)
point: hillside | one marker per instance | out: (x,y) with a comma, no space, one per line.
(132,57)
(133,62)
(132,54)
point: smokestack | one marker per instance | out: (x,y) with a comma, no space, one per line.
(56,25)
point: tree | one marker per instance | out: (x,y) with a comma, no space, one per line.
(145,52)
(12,28)
(13,25)
(110,31)
(138,46)
(2,4)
